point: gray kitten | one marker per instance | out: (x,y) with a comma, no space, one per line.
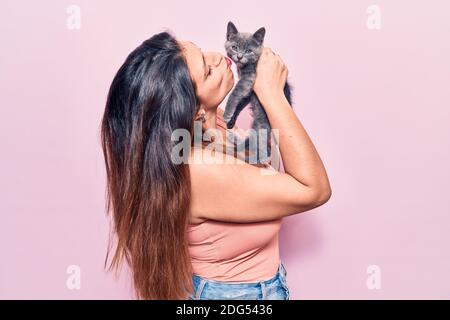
(244,49)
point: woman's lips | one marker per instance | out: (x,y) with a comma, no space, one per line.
(228,61)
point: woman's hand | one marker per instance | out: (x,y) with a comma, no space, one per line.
(271,76)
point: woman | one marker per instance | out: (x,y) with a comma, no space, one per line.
(199,229)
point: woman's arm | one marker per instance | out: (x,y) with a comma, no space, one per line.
(300,158)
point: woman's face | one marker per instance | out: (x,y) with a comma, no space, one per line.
(211,74)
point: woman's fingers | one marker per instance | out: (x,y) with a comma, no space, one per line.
(280,59)
(268,50)
(285,72)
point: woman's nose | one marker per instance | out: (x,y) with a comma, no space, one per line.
(216,58)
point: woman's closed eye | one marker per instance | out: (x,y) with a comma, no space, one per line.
(209,70)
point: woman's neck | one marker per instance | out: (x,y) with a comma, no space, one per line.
(211,118)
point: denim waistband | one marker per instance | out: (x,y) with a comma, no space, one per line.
(281,271)
(254,288)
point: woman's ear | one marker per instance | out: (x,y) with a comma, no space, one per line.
(201,115)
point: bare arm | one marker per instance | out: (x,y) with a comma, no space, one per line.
(232,190)
(300,158)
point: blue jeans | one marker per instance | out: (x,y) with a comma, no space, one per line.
(273,289)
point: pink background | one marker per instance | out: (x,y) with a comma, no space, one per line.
(376,104)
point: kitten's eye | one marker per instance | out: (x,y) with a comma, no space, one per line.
(248,51)
(234,48)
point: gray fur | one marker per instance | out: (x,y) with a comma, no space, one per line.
(244,49)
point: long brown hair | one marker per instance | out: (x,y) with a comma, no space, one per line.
(147,194)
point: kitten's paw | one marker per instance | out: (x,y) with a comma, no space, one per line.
(259,162)
(265,161)
(226,118)
(231,123)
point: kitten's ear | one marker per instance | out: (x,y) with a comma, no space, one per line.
(231,30)
(259,35)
